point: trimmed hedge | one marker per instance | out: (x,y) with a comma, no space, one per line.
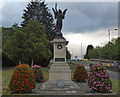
(37,73)
(22,80)
(80,73)
(99,79)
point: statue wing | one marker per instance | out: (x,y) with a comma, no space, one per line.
(54,12)
(64,13)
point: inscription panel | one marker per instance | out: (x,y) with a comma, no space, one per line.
(59,59)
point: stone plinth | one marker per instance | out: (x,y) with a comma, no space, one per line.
(59,45)
(54,85)
(59,70)
(59,73)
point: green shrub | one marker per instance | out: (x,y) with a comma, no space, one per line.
(99,79)
(37,73)
(22,80)
(80,73)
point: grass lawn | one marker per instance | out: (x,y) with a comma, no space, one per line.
(6,75)
(116,84)
(45,73)
(71,66)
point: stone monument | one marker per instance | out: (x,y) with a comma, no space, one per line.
(59,73)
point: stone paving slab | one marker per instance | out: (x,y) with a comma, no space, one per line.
(84,90)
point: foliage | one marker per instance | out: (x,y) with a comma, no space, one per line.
(29,43)
(6,62)
(89,47)
(23,80)
(37,73)
(39,11)
(99,79)
(93,53)
(109,51)
(80,73)
(68,55)
(6,32)
(71,65)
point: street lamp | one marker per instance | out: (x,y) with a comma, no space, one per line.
(81,50)
(109,30)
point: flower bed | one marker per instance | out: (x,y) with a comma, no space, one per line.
(22,80)
(99,79)
(80,73)
(37,73)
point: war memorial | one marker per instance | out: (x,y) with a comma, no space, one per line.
(59,73)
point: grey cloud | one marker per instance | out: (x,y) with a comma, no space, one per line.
(91,17)
(12,13)
(80,17)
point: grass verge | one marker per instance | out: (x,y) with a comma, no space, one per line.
(116,84)
(6,75)
(71,66)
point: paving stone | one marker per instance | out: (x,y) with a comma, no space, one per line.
(84,90)
(71,92)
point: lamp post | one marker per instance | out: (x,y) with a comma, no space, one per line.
(81,50)
(109,30)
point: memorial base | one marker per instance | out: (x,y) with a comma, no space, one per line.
(59,70)
(57,85)
(59,78)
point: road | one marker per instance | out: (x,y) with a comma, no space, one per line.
(113,74)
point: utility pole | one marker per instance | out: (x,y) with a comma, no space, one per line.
(81,50)
(109,30)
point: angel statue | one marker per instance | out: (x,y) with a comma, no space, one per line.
(59,15)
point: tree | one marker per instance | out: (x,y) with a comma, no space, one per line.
(68,55)
(111,49)
(6,32)
(93,54)
(89,47)
(115,45)
(39,11)
(29,44)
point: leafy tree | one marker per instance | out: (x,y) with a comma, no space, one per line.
(6,32)
(15,28)
(39,11)
(111,49)
(93,54)
(115,45)
(68,55)
(89,47)
(30,43)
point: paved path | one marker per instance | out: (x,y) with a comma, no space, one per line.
(114,74)
(84,90)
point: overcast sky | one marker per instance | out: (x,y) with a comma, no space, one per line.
(85,22)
